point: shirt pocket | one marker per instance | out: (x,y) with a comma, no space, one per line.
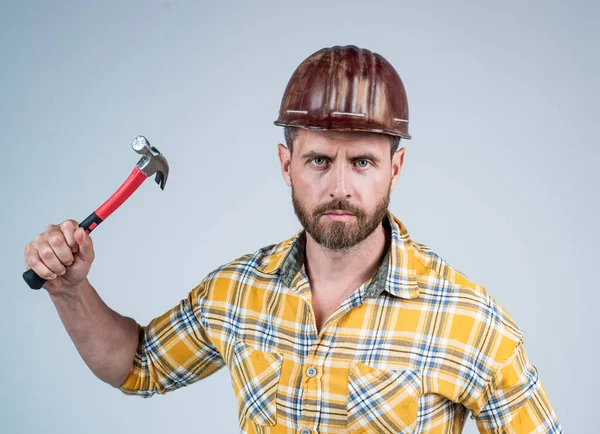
(382,400)
(255,376)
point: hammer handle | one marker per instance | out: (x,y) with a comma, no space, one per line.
(92,221)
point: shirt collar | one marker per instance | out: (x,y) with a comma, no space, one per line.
(396,275)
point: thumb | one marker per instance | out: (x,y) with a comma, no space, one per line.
(86,247)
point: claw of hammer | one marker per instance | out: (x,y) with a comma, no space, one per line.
(152,161)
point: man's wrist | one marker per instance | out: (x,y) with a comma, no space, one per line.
(69,294)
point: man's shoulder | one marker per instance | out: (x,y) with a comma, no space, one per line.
(259,264)
(443,286)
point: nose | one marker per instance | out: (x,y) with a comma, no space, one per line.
(341,187)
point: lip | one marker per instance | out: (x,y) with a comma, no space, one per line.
(338,216)
(338,213)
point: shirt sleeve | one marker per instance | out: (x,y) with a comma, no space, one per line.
(517,400)
(174,350)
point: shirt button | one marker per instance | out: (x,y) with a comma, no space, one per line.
(311,372)
(305,431)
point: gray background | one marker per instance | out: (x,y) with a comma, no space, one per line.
(501,177)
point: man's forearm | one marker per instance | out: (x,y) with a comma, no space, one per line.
(105,340)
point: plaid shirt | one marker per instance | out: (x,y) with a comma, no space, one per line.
(413,350)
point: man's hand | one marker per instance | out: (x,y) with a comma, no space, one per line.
(62,254)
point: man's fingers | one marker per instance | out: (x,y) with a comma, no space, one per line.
(33,262)
(50,259)
(61,249)
(86,248)
(57,248)
(68,228)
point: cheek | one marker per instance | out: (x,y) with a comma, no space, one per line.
(311,183)
(306,192)
(374,192)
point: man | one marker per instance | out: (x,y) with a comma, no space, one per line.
(347,326)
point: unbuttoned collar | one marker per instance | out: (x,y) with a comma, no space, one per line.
(396,275)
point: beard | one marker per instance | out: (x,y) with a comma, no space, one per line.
(340,235)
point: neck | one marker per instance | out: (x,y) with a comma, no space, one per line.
(349,268)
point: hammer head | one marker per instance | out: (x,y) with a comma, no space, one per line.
(152,161)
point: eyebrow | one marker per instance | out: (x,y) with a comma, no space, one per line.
(361,156)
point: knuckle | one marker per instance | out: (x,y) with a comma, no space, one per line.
(55,239)
(69,224)
(32,260)
(46,253)
(49,227)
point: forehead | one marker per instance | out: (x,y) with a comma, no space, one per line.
(312,140)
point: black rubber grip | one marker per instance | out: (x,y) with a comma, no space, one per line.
(36,282)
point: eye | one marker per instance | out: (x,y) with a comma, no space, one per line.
(363,164)
(318,161)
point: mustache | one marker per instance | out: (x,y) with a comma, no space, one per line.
(337,205)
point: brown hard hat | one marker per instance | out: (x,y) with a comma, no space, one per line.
(346,88)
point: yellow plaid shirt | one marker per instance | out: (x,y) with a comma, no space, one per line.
(413,350)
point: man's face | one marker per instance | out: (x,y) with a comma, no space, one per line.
(341,183)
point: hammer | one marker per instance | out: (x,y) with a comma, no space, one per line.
(152,162)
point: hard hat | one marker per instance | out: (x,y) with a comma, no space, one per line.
(346,88)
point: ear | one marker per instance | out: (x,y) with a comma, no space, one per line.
(286,163)
(397,162)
